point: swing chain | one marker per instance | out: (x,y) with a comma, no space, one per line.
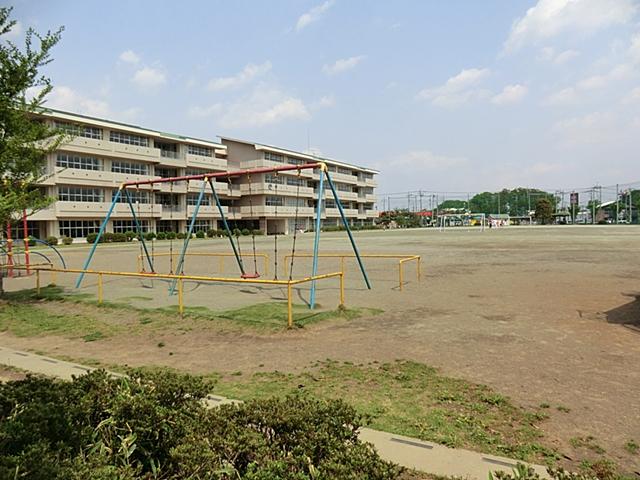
(275,239)
(253,232)
(295,226)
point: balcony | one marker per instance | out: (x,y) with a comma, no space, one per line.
(105,147)
(207,211)
(44,214)
(144,210)
(271,189)
(270,211)
(342,177)
(334,212)
(201,161)
(262,163)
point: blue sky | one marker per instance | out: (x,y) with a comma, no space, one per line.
(438,95)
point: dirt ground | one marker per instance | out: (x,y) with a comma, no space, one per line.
(542,314)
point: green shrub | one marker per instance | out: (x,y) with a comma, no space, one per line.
(51,240)
(118,237)
(258,232)
(149,236)
(171,235)
(32,240)
(237,232)
(130,235)
(524,472)
(245,232)
(100,427)
(200,234)
(181,235)
(91,238)
(107,237)
(68,240)
(161,236)
(211,233)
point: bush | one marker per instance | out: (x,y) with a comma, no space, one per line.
(258,232)
(52,240)
(68,240)
(161,236)
(32,240)
(149,236)
(171,235)
(237,232)
(107,237)
(245,232)
(130,235)
(119,237)
(99,427)
(181,235)
(91,238)
(211,233)
(200,234)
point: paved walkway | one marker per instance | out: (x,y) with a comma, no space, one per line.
(409,452)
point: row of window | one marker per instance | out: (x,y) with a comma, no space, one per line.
(79,130)
(284,179)
(277,201)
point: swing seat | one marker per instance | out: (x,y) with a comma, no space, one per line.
(250,275)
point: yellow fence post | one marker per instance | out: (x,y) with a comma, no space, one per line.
(342,264)
(342,289)
(180,299)
(419,268)
(100,293)
(38,281)
(289,306)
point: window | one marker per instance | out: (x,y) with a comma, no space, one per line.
(168,150)
(330,203)
(128,139)
(80,130)
(295,161)
(274,179)
(121,226)
(195,171)
(291,202)
(273,201)
(137,196)
(274,157)
(198,150)
(295,181)
(164,172)
(343,187)
(192,199)
(78,228)
(70,160)
(344,171)
(202,225)
(130,167)
(80,194)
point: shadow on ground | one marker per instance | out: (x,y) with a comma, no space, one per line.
(628,314)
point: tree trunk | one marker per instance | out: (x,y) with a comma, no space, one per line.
(1,283)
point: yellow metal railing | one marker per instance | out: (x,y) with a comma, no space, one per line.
(402,259)
(181,278)
(220,255)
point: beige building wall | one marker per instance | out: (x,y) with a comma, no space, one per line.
(87,170)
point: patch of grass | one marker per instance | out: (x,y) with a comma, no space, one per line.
(632,447)
(588,442)
(92,337)
(563,409)
(411,399)
(134,298)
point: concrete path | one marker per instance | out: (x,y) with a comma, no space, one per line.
(408,452)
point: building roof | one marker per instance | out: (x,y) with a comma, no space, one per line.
(70,116)
(307,156)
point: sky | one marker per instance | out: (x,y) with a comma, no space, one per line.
(438,95)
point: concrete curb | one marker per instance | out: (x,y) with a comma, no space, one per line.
(406,451)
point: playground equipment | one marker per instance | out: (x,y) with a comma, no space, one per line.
(245,275)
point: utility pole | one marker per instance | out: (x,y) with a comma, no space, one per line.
(593,206)
(617,203)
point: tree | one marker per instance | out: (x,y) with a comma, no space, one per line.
(24,141)
(544,211)
(452,204)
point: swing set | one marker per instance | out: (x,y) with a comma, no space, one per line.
(246,274)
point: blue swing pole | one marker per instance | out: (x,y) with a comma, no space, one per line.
(226,226)
(100,232)
(187,238)
(348,229)
(316,240)
(139,231)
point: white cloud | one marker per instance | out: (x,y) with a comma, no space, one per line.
(205,111)
(420,160)
(324,102)
(567,96)
(129,56)
(549,18)
(65,98)
(343,65)
(313,15)
(248,73)
(15,32)
(510,94)
(148,77)
(590,129)
(458,89)
(263,107)
(618,72)
(549,54)
(633,96)
(634,49)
